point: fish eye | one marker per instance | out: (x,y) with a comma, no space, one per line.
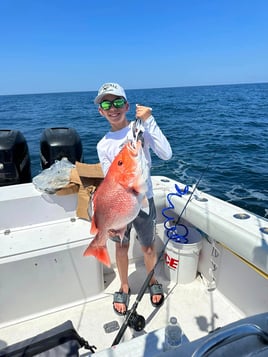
(120,163)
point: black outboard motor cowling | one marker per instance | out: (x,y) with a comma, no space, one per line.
(15,163)
(56,143)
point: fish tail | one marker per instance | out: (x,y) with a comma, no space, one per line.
(99,252)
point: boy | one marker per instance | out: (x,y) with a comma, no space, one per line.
(113,105)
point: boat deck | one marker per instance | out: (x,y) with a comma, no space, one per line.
(198,309)
(43,271)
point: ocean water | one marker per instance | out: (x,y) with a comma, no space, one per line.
(219,132)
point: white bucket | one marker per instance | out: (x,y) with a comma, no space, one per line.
(181,259)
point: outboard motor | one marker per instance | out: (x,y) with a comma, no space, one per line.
(15,164)
(56,143)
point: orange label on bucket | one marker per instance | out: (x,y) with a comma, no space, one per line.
(171,262)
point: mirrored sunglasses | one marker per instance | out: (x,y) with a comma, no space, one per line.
(117,103)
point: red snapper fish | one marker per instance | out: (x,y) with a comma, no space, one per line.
(118,199)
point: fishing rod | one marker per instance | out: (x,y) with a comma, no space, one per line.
(132,318)
(194,188)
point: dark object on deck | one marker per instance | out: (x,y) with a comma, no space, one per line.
(62,340)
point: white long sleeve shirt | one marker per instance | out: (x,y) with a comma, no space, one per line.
(110,145)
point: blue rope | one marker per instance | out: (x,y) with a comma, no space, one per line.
(171,231)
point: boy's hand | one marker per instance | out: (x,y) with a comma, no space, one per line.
(142,112)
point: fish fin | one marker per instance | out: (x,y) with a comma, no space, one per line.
(144,202)
(121,233)
(140,185)
(145,205)
(93,229)
(99,252)
(117,233)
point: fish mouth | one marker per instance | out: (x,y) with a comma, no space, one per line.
(134,147)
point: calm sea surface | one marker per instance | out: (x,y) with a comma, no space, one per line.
(226,126)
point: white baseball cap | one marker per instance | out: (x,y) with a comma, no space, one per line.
(110,88)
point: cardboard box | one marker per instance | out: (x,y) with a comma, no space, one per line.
(84,180)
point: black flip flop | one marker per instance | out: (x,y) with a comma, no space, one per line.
(156,289)
(121,298)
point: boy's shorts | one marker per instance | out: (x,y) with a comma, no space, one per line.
(144,225)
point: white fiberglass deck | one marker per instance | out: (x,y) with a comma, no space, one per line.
(197,309)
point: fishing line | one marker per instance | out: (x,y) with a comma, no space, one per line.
(195,187)
(132,314)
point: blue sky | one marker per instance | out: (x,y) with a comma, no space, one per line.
(76,45)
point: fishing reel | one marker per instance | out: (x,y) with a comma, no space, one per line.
(135,321)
